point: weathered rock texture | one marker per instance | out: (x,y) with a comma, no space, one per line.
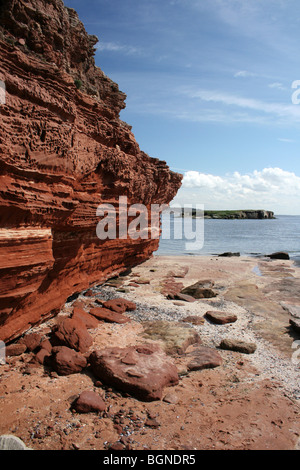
(142,371)
(63,152)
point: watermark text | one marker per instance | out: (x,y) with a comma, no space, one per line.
(2,92)
(137,221)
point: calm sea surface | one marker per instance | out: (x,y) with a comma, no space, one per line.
(249,237)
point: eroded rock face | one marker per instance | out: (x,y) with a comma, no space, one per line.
(63,152)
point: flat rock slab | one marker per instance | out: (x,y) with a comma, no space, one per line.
(293,309)
(89,321)
(185,297)
(171,288)
(270,320)
(220,318)
(108,315)
(200,290)
(174,337)
(203,357)
(120,305)
(238,346)
(142,371)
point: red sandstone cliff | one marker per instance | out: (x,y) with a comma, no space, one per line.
(63,151)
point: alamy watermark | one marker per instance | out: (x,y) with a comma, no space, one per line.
(2,92)
(296,354)
(296,93)
(2,353)
(137,221)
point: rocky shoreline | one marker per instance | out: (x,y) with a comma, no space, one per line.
(225,365)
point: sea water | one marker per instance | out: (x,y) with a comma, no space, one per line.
(249,237)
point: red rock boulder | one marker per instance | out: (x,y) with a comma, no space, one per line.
(142,371)
(88,402)
(66,361)
(73,333)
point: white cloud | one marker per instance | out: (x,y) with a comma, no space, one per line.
(121,48)
(277,85)
(250,109)
(271,189)
(244,74)
(289,141)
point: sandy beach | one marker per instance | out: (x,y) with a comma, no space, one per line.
(249,401)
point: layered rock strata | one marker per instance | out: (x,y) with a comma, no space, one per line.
(63,152)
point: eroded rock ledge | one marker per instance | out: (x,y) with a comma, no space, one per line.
(63,152)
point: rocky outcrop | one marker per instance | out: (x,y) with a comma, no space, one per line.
(63,152)
(228,214)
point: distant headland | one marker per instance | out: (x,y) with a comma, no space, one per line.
(229,214)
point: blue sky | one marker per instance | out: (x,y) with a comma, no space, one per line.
(209,90)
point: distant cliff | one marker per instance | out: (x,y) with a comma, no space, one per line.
(63,152)
(240,214)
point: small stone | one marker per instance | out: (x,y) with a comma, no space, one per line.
(152,423)
(221,318)
(118,428)
(75,446)
(117,446)
(238,346)
(98,384)
(171,398)
(204,358)
(89,401)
